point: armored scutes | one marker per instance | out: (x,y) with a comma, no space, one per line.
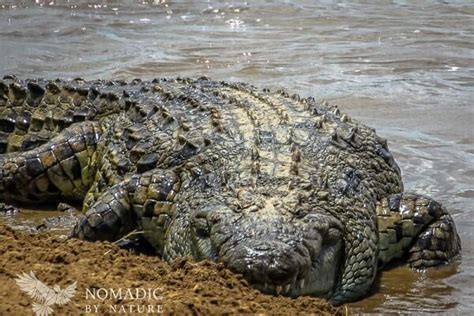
(296,196)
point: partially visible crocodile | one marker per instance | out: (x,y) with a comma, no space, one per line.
(299,198)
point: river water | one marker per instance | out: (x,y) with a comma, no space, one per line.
(403,67)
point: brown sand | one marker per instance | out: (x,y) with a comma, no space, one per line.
(185,287)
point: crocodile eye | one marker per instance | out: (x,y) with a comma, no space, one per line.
(333,236)
(201,227)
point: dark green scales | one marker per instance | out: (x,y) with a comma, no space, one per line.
(299,198)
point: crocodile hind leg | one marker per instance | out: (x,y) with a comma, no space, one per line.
(417,228)
(143,202)
(60,169)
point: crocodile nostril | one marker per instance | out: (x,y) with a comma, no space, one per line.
(283,272)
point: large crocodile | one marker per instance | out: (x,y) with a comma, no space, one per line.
(294,195)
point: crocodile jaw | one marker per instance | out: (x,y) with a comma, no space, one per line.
(320,280)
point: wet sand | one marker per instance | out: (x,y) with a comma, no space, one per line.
(182,287)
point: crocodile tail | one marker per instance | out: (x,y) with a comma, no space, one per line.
(32,112)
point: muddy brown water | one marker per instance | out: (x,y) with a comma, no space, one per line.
(403,67)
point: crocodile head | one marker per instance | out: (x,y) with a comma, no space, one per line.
(288,255)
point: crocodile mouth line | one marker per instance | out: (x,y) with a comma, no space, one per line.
(293,288)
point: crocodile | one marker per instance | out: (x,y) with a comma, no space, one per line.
(296,196)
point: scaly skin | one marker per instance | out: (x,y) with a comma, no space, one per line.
(297,197)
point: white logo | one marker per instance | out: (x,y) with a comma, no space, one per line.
(44,296)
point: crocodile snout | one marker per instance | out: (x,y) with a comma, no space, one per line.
(278,257)
(273,266)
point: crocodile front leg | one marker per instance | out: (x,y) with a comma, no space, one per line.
(145,201)
(109,218)
(62,168)
(418,228)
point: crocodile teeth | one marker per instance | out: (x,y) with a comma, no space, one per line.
(278,289)
(302,283)
(287,288)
